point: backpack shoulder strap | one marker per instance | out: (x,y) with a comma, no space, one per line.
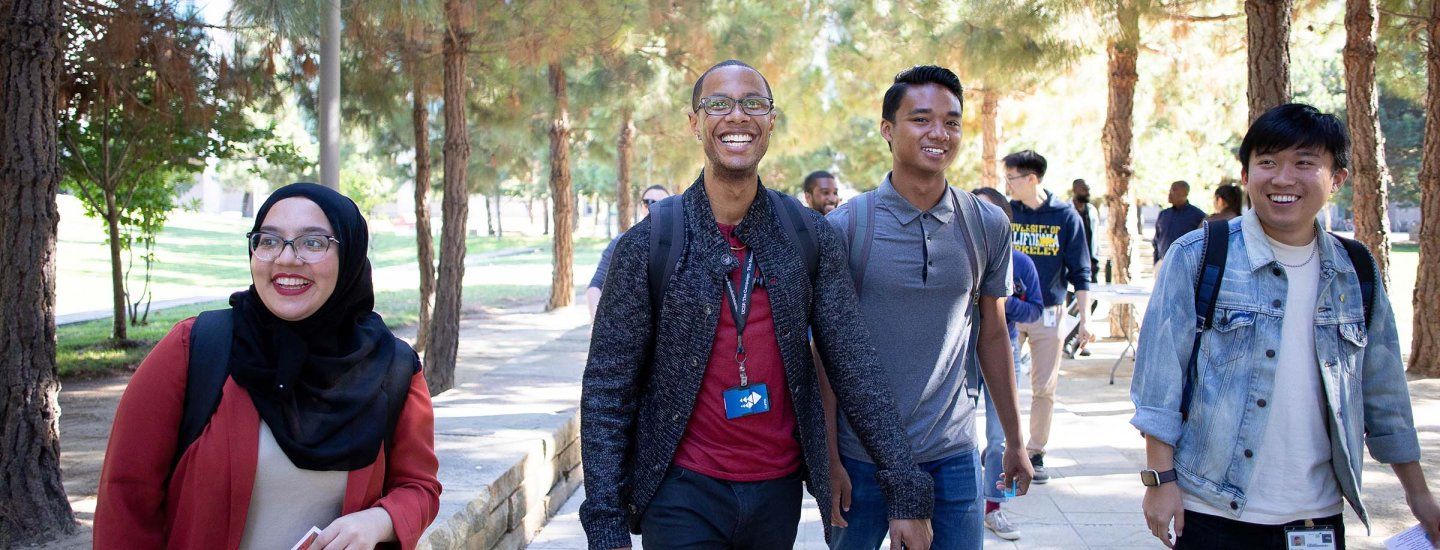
(208,368)
(861,235)
(792,220)
(1364,270)
(667,241)
(1207,292)
(968,208)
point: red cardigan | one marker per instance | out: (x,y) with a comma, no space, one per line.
(204,503)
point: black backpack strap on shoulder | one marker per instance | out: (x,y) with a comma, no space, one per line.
(793,222)
(861,234)
(205,379)
(1207,292)
(667,241)
(1364,270)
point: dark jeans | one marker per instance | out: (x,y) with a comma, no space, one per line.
(692,510)
(1203,531)
(958,521)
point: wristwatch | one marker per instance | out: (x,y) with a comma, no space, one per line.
(1152,478)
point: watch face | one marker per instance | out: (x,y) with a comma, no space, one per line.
(1149,478)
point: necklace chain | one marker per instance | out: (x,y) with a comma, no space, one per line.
(1313,246)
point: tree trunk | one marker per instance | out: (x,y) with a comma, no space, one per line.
(624,147)
(1425,346)
(990,138)
(119,331)
(1362,107)
(1268,34)
(489,216)
(33,506)
(424,238)
(445,326)
(1116,139)
(562,286)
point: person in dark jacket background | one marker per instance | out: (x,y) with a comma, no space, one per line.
(676,413)
(1181,218)
(1047,229)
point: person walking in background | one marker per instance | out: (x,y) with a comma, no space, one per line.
(1268,358)
(1023,306)
(1049,231)
(1181,218)
(700,409)
(651,195)
(1227,203)
(931,264)
(317,415)
(1089,216)
(822,192)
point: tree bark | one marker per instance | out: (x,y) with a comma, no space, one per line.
(624,147)
(1116,139)
(445,325)
(562,287)
(424,238)
(499,221)
(33,506)
(118,329)
(329,96)
(1268,47)
(1425,345)
(1368,172)
(990,138)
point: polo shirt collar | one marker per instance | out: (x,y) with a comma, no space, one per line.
(905,212)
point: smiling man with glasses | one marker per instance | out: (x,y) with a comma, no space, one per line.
(701,415)
(652,195)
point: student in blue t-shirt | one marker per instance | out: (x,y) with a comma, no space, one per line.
(1024,306)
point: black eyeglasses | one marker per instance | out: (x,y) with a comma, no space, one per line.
(719,105)
(649,202)
(308,248)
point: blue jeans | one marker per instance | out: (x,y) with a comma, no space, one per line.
(958,521)
(994,451)
(693,510)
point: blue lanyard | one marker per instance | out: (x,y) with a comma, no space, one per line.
(740,309)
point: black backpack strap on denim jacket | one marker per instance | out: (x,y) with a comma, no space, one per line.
(1207,292)
(208,368)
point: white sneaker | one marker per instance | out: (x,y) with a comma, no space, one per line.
(997,523)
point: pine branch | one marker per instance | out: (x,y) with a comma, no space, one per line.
(1406,16)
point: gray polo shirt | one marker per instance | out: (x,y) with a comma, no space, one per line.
(916,303)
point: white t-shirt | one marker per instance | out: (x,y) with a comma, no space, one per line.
(286,501)
(1293,478)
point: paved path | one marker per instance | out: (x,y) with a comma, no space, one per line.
(1094,454)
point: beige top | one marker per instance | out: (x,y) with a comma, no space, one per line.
(287,501)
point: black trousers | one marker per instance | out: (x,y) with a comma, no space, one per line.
(694,511)
(1207,532)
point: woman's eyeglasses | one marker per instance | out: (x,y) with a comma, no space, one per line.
(649,202)
(308,248)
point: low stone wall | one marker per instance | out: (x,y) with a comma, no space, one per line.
(512,509)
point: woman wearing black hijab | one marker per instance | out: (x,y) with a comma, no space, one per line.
(324,421)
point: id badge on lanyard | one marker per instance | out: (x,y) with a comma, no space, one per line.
(1310,537)
(745,399)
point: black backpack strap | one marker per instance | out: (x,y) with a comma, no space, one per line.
(793,222)
(861,230)
(667,241)
(1364,270)
(209,367)
(1207,292)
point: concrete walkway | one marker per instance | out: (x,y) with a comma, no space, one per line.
(1094,456)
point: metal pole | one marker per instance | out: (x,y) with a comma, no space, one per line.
(329,128)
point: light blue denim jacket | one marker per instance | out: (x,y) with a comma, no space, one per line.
(1366,395)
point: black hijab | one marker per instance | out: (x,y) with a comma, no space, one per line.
(331,385)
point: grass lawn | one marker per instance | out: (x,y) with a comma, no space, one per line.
(198,255)
(84,349)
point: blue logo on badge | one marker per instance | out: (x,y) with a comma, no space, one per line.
(746,400)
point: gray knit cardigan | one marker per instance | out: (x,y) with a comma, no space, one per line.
(641,380)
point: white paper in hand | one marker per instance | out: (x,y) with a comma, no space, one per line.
(1410,539)
(309,539)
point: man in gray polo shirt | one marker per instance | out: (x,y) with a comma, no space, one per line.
(932,268)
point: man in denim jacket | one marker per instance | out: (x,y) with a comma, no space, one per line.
(1290,378)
